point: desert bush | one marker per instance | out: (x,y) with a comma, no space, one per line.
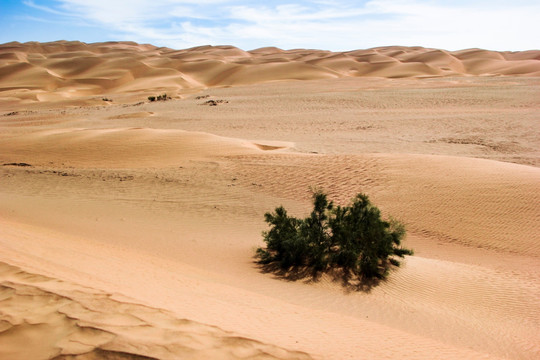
(354,239)
(162,97)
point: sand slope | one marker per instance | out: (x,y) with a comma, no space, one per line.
(127,230)
(138,147)
(65,70)
(43,318)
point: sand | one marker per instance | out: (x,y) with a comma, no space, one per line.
(128,227)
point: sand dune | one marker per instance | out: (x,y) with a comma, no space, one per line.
(115,67)
(44,318)
(136,146)
(475,271)
(407,184)
(128,227)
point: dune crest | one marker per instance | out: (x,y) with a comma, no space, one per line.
(66,69)
(138,147)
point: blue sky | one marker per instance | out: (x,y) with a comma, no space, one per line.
(321,24)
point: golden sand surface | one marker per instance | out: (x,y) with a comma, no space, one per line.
(128,227)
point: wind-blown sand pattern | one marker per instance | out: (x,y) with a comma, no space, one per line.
(66,321)
(128,227)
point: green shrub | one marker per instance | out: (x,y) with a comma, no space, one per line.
(152,98)
(352,238)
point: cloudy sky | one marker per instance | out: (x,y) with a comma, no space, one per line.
(321,24)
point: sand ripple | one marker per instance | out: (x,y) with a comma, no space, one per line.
(45,318)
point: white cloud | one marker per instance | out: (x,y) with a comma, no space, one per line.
(325,24)
(44,8)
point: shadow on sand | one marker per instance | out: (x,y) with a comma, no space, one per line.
(350,281)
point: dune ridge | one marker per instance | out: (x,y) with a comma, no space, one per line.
(67,69)
(45,318)
(139,147)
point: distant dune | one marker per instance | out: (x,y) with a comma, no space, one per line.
(67,69)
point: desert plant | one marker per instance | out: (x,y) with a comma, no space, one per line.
(284,244)
(162,97)
(352,238)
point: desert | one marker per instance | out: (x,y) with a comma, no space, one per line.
(128,227)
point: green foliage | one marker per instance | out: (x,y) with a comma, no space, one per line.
(352,238)
(152,98)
